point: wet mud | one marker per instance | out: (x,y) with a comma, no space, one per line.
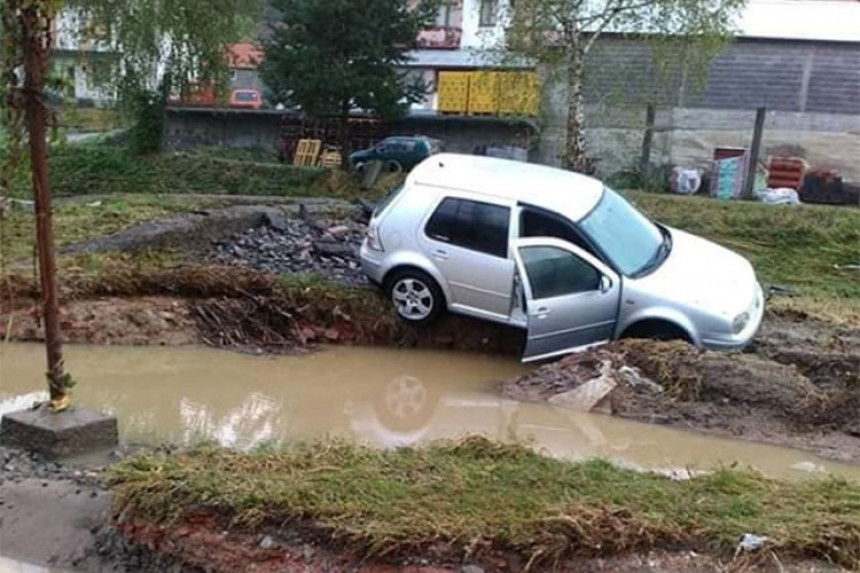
(799,386)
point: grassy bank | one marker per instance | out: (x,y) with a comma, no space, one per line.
(473,497)
(100,169)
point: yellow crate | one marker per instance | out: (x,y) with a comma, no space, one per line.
(484,93)
(519,93)
(453,92)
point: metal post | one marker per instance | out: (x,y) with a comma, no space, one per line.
(35,29)
(754,151)
(645,159)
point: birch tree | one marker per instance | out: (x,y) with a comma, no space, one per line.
(559,34)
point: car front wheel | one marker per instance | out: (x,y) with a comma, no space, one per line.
(416,296)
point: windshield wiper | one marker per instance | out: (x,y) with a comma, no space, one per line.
(659,255)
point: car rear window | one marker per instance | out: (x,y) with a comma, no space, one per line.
(472,225)
(246,96)
(386,201)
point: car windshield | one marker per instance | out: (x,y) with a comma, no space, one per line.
(625,235)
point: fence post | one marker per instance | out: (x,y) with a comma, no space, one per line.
(754,151)
(645,159)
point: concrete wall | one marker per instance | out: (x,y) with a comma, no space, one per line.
(811,91)
(188,128)
(688,136)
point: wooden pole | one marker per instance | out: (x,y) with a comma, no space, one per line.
(755,148)
(35,27)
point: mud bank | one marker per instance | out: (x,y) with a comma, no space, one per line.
(802,392)
(228,307)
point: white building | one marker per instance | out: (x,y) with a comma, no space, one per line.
(79,60)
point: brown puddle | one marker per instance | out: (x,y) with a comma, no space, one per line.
(377,396)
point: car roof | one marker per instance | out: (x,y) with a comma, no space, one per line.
(572,194)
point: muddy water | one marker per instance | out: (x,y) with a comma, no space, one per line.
(377,396)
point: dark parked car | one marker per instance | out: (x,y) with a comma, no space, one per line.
(397,152)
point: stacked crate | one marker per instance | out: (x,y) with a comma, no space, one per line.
(519,93)
(453,92)
(786,172)
(484,93)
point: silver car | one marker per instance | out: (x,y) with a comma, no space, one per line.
(556,253)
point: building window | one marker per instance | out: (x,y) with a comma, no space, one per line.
(489,10)
(449,16)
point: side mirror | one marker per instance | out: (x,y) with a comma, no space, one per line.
(605,284)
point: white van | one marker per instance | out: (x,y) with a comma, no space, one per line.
(556,253)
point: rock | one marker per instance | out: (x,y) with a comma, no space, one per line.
(267,542)
(338,231)
(277,221)
(633,377)
(331,249)
(588,394)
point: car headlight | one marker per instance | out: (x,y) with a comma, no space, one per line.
(740,322)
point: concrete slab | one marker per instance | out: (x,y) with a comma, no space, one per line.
(73,431)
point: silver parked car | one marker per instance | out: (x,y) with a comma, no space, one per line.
(556,253)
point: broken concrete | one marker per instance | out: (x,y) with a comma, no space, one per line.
(73,431)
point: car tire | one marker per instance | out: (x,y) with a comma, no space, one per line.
(393,166)
(416,296)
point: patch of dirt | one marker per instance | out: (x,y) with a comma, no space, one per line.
(264,323)
(799,387)
(123,321)
(201,544)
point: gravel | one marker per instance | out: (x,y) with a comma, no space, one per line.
(294,245)
(17,465)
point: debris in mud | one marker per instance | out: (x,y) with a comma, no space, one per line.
(294,245)
(246,323)
(743,395)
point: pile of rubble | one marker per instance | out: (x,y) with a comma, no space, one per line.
(297,245)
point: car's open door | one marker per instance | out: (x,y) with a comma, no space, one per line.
(572,298)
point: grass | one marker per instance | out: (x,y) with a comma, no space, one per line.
(475,495)
(792,246)
(103,169)
(74,222)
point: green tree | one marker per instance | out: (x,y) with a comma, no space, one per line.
(331,57)
(558,34)
(157,42)
(162,46)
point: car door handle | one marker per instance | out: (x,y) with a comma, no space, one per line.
(440,254)
(542,312)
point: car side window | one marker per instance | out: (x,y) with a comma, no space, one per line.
(535,223)
(556,272)
(472,225)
